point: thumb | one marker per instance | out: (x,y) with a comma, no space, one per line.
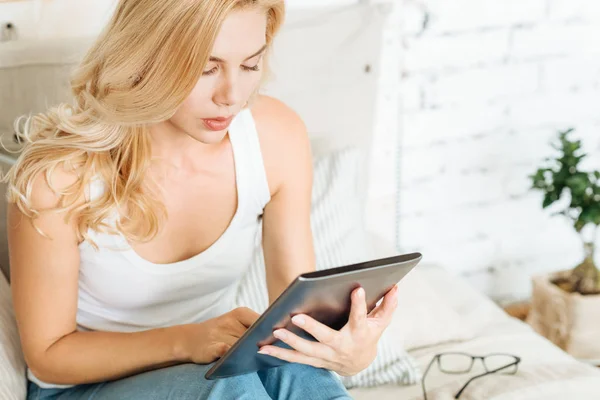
(246,316)
(358,309)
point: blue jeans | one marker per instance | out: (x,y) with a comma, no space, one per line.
(186,382)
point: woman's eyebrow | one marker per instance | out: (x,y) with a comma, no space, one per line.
(217,59)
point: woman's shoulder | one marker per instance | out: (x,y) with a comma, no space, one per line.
(42,199)
(283,139)
(276,121)
(48,187)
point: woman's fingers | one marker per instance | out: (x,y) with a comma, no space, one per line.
(306,347)
(319,331)
(297,357)
(245,316)
(229,339)
(385,310)
(358,310)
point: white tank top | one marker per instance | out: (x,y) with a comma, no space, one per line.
(119,291)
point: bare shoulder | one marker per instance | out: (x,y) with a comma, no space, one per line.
(273,117)
(283,138)
(43,190)
(44,195)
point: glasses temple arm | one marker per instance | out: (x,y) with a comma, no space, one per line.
(482,375)
(425,374)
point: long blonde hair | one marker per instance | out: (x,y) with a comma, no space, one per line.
(143,65)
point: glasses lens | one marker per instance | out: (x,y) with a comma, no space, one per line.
(497,361)
(455,363)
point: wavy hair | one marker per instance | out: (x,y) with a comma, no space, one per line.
(142,66)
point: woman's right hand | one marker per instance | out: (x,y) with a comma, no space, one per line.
(205,342)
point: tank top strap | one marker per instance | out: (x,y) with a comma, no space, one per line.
(249,164)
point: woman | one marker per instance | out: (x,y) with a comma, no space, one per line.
(133,214)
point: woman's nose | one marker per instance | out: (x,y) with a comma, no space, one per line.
(227,94)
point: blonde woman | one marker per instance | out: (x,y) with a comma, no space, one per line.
(133,214)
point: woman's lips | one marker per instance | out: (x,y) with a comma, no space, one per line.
(217,124)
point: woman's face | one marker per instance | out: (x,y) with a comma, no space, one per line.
(229,79)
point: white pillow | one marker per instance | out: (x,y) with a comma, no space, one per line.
(339,239)
(13,383)
(427,314)
(423,317)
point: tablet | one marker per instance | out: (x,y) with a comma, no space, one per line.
(325,296)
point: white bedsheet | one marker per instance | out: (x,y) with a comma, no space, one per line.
(545,372)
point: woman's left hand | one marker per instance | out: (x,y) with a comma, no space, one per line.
(347,351)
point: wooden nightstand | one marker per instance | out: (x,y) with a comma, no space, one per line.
(518,310)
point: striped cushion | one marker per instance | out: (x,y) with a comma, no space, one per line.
(339,239)
(12,365)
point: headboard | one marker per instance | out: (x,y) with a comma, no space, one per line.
(5,163)
(325,65)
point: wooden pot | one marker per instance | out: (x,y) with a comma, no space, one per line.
(569,320)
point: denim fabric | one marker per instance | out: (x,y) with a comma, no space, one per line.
(186,382)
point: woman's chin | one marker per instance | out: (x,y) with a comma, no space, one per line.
(209,137)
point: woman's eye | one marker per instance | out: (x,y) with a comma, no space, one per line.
(255,68)
(211,71)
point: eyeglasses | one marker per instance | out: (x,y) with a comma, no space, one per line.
(462,363)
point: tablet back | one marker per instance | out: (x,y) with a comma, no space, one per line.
(323,295)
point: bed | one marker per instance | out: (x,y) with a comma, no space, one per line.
(545,372)
(335,91)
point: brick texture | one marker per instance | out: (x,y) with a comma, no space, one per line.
(485,86)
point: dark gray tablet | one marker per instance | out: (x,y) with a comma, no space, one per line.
(323,295)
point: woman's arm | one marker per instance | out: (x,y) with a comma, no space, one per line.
(44,276)
(287,238)
(44,286)
(288,250)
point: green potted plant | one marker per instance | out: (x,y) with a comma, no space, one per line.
(566,304)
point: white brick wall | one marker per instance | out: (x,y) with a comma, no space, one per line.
(455,51)
(466,15)
(485,86)
(381,205)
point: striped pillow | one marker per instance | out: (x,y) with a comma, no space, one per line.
(339,239)
(12,366)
